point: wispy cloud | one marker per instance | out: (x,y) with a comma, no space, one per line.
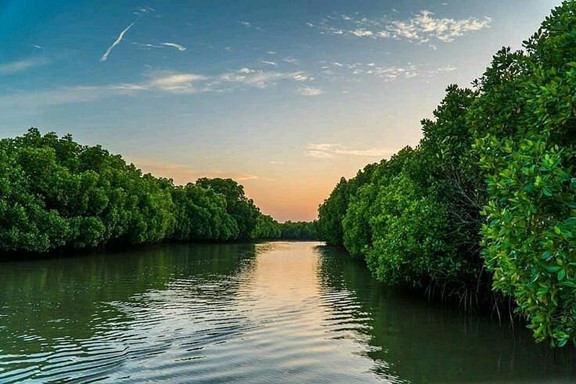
(392,73)
(386,73)
(116,42)
(168,82)
(420,28)
(174,82)
(160,46)
(446,68)
(66,95)
(248,24)
(291,60)
(174,45)
(383,72)
(259,78)
(144,10)
(22,65)
(309,91)
(272,63)
(156,81)
(330,151)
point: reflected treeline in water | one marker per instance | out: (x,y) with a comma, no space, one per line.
(49,306)
(423,342)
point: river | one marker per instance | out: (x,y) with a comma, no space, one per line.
(275,312)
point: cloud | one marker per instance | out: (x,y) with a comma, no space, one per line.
(174,45)
(272,63)
(291,60)
(330,151)
(258,78)
(362,33)
(447,68)
(169,82)
(420,28)
(147,45)
(116,42)
(309,91)
(392,73)
(160,46)
(157,81)
(66,95)
(144,10)
(174,82)
(22,65)
(248,24)
(386,73)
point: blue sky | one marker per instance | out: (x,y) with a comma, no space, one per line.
(284,96)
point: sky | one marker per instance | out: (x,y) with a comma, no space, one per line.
(285,97)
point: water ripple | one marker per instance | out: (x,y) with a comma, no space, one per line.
(271,313)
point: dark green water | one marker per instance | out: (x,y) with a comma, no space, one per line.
(270,313)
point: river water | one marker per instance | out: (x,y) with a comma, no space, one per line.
(267,313)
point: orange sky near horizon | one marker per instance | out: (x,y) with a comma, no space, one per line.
(287,194)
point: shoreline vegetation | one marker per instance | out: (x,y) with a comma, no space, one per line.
(58,196)
(483,210)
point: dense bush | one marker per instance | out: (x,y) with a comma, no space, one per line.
(58,194)
(491,187)
(527,123)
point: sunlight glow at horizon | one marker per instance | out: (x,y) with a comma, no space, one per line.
(285,97)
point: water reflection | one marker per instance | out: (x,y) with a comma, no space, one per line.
(88,316)
(266,313)
(295,334)
(422,342)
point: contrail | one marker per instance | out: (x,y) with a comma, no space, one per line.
(118,40)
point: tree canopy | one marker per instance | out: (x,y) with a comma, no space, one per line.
(58,194)
(485,205)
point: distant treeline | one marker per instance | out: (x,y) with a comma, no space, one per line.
(56,194)
(483,209)
(298,230)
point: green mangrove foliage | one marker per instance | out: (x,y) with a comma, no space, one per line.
(238,206)
(415,217)
(526,120)
(331,214)
(201,214)
(266,228)
(58,194)
(298,230)
(484,206)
